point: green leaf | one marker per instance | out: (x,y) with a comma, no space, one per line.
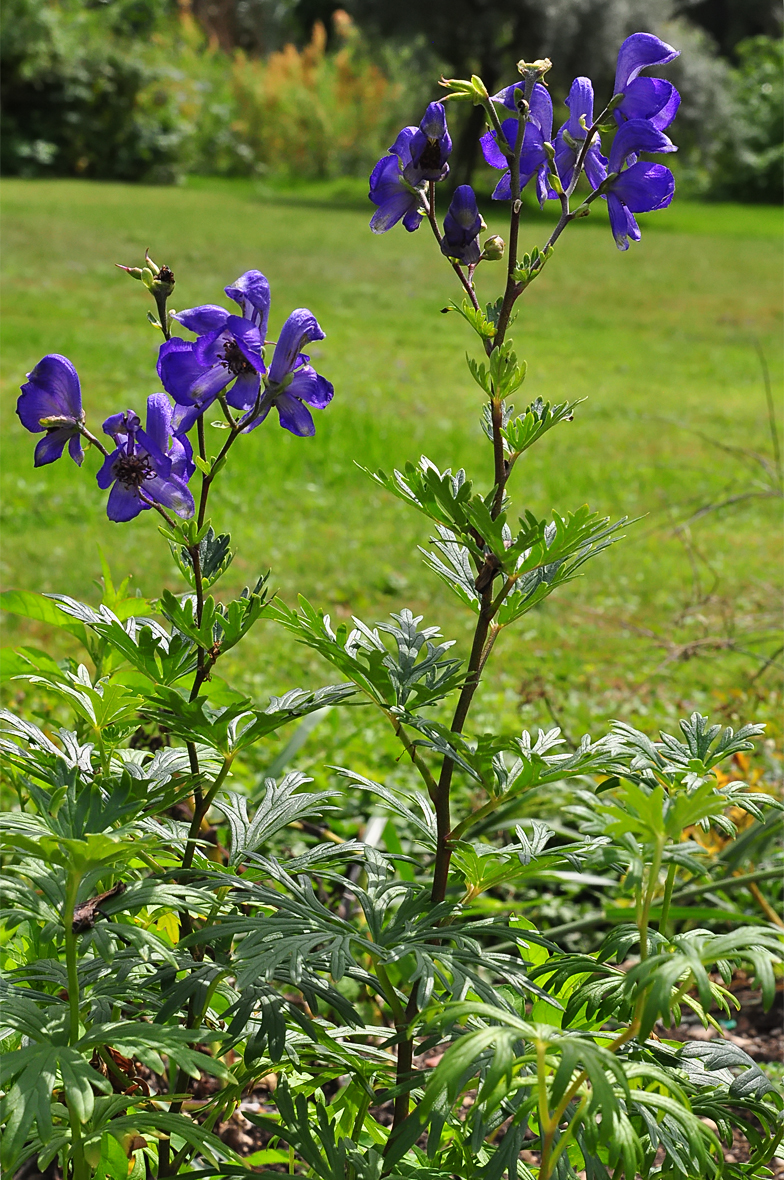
(521,433)
(42,609)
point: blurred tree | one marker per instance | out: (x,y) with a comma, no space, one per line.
(732,21)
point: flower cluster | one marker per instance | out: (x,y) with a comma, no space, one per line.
(150,467)
(521,134)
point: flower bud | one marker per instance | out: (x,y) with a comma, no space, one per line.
(493,248)
(159,280)
(475,89)
(535,69)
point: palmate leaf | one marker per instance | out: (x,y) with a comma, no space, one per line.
(751,1081)
(330,1155)
(30,1075)
(421,827)
(231,728)
(417,670)
(144,643)
(692,956)
(42,608)
(704,748)
(522,432)
(103,704)
(441,496)
(539,559)
(486,866)
(279,805)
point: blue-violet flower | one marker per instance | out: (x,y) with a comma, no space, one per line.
(148,466)
(228,351)
(51,400)
(570,138)
(462,226)
(645,98)
(431,144)
(533,157)
(641,187)
(292,381)
(396,187)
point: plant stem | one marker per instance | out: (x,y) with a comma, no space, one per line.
(668,886)
(441,801)
(409,747)
(201,810)
(645,914)
(71,889)
(80,1169)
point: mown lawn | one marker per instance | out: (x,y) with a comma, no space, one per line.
(664,342)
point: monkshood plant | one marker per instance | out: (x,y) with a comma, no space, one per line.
(165,954)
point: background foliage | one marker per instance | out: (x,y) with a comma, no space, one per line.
(137,90)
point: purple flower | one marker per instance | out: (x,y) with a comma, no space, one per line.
(51,400)
(292,381)
(533,157)
(641,187)
(645,98)
(571,137)
(396,187)
(148,466)
(228,351)
(431,145)
(462,226)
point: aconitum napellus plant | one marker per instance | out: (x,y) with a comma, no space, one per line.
(357,981)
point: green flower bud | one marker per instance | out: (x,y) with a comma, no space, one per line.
(494,248)
(475,89)
(535,69)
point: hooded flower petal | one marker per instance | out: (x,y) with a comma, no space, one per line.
(638,135)
(51,400)
(580,103)
(393,184)
(462,226)
(652,99)
(147,465)
(123,424)
(171,493)
(178,368)
(159,416)
(595,166)
(252,291)
(300,328)
(52,390)
(431,144)
(245,391)
(638,51)
(209,318)
(124,503)
(52,445)
(541,111)
(490,147)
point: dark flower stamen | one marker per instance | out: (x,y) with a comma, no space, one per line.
(133,470)
(431,156)
(235,360)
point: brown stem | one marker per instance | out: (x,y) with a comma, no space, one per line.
(443,819)
(501,469)
(403,1070)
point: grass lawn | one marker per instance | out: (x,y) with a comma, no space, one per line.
(663,341)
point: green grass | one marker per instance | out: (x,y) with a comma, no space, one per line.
(662,341)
